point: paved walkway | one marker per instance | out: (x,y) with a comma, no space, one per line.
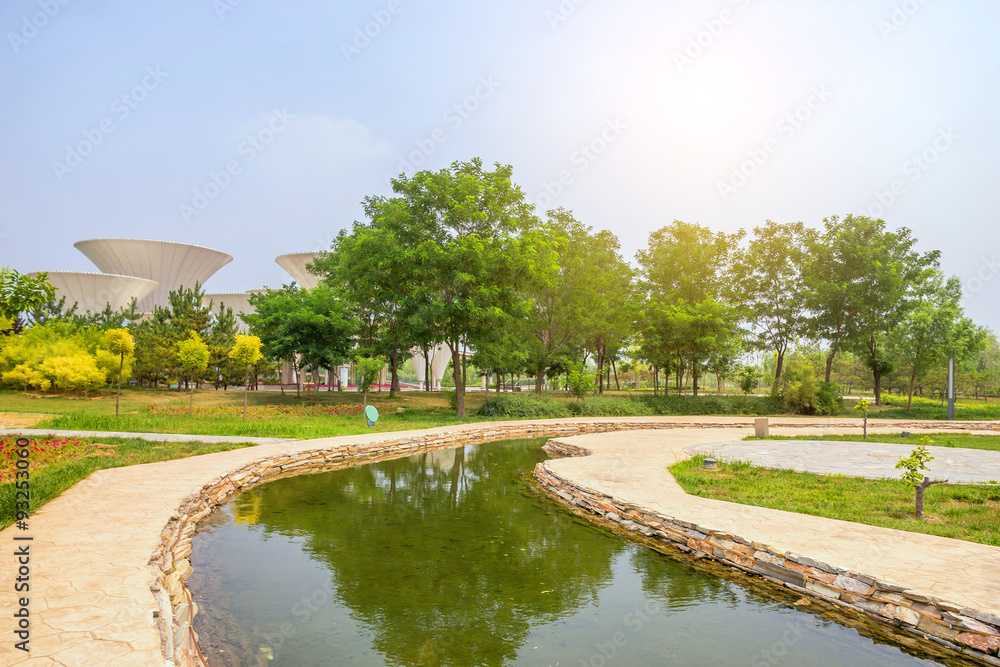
(871,460)
(632,466)
(158,437)
(90,601)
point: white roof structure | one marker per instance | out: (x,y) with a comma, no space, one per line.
(295,264)
(238,301)
(170,264)
(94,291)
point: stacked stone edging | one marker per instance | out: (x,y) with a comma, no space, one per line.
(170,563)
(972,633)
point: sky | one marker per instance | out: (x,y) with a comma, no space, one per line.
(257,127)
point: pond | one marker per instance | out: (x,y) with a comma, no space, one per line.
(450,558)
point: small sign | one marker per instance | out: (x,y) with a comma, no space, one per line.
(371,414)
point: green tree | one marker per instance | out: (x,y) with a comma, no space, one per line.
(767,284)
(934,330)
(246,352)
(20,293)
(193,354)
(472,242)
(368,370)
(119,342)
(913,467)
(863,285)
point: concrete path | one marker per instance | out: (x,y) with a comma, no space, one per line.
(90,601)
(158,437)
(632,466)
(854,459)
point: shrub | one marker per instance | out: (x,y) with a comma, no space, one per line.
(610,406)
(711,405)
(522,406)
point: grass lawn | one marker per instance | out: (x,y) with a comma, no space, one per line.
(963,440)
(960,511)
(966,409)
(58,463)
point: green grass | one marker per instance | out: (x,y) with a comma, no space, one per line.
(963,440)
(960,511)
(966,409)
(48,481)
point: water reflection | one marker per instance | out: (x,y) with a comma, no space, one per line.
(446,558)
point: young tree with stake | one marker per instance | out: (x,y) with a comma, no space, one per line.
(121,343)
(193,354)
(246,351)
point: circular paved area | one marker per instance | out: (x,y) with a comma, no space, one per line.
(857,459)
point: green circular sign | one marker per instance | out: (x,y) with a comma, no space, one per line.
(371,412)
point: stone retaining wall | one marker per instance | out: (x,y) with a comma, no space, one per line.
(170,564)
(974,634)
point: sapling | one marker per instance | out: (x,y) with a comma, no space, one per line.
(913,467)
(862,407)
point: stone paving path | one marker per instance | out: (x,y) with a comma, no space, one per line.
(159,437)
(90,597)
(856,459)
(632,466)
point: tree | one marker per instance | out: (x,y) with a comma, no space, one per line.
(119,342)
(314,325)
(193,354)
(368,371)
(471,241)
(913,467)
(767,283)
(862,407)
(749,378)
(864,282)
(580,382)
(20,293)
(934,330)
(246,352)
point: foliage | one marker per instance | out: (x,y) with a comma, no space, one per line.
(522,406)
(20,293)
(711,405)
(609,406)
(368,370)
(749,379)
(580,382)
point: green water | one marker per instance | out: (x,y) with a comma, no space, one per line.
(448,558)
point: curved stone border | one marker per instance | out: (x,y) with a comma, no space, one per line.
(969,632)
(170,563)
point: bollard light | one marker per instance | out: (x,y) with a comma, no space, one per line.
(708,464)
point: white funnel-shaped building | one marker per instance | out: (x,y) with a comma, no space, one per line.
(238,301)
(295,265)
(170,264)
(94,291)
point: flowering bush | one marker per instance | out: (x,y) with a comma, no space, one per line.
(44,451)
(264,411)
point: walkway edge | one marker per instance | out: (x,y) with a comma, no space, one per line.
(969,632)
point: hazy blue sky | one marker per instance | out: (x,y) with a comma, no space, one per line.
(117,114)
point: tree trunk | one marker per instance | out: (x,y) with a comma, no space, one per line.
(829,362)
(118,395)
(878,386)
(909,401)
(246,390)
(920,488)
(394,384)
(779,365)
(191,402)
(618,387)
(656,381)
(427,369)
(456,362)
(539,379)
(694,379)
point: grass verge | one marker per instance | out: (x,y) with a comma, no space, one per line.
(963,440)
(56,464)
(960,511)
